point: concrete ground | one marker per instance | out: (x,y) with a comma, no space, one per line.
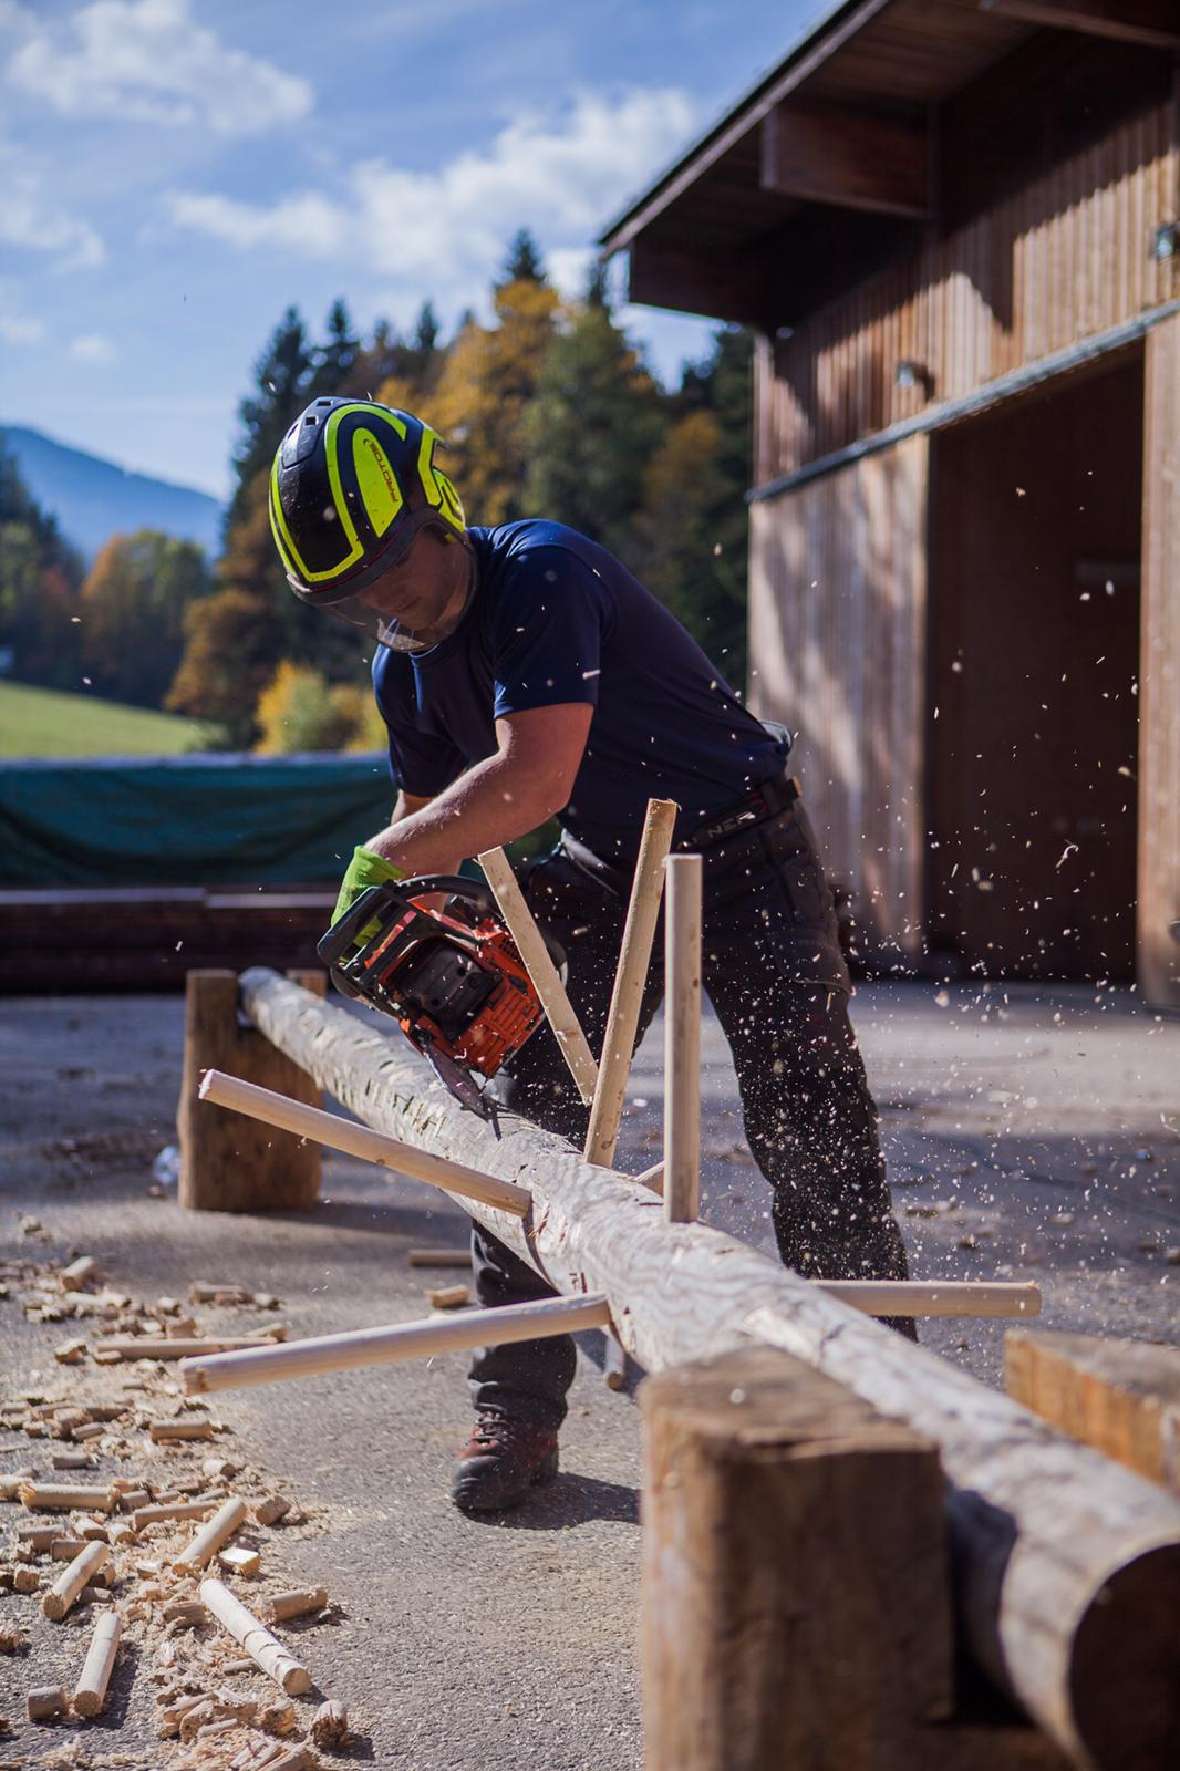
(1030,1133)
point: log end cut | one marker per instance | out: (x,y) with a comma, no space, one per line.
(296,1681)
(1125,1673)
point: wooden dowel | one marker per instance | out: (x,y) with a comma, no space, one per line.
(682,1040)
(652,1177)
(622,1024)
(46,1702)
(299,1602)
(63,1497)
(150,1346)
(90,1693)
(69,1583)
(530,944)
(440,1257)
(920,1297)
(209,1539)
(363,1141)
(386,1346)
(614,1364)
(162,1511)
(175,1432)
(265,1650)
(79,1273)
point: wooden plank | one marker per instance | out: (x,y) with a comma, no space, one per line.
(1158,902)
(851,158)
(1122,1397)
(796,1586)
(1066,1562)
(818,612)
(1149,22)
(1010,268)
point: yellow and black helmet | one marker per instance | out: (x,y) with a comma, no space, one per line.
(353,482)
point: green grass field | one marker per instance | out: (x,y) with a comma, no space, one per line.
(44,722)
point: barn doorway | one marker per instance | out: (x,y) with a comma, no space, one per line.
(1032,726)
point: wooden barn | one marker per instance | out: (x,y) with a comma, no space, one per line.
(955,228)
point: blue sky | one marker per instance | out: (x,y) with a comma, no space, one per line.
(177,171)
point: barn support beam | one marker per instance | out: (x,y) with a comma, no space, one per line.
(1151,23)
(823,153)
(723,286)
(1066,1563)
(1158,900)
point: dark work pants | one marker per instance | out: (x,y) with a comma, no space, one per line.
(775,975)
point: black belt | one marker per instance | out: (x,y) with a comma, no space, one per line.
(765,801)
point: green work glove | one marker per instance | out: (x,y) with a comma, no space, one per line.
(366,868)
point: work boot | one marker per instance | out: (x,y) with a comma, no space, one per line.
(501,1461)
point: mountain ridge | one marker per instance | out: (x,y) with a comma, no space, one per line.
(93,498)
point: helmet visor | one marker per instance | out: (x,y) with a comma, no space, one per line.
(377,627)
(406,617)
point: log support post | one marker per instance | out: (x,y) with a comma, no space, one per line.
(228,1163)
(796,1602)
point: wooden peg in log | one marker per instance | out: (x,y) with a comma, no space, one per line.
(682,1040)
(387,1346)
(530,944)
(360,1140)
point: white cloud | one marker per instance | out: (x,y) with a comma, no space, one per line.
(445,231)
(305,224)
(92,347)
(150,61)
(32,220)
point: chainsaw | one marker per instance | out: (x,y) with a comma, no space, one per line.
(451,978)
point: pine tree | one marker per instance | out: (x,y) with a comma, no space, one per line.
(524,263)
(283,376)
(592,428)
(335,359)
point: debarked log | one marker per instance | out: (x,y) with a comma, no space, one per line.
(1068,1566)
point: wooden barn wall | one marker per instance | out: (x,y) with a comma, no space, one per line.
(1062,258)
(837,634)
(1159,689)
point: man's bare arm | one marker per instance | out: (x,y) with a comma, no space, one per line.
(528,779)
(404,806)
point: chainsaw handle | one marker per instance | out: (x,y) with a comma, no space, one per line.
(337,943)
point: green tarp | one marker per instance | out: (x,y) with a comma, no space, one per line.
(190,821)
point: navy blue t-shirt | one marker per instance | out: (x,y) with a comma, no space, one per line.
(555,618)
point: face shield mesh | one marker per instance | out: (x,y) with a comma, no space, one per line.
(378,625)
